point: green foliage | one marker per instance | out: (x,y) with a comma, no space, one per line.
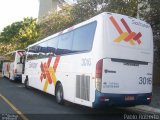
(89,8)
(126,7)
(19,35)
(28,33)
(150,12)
(6,47)
(56,21)
(10,32)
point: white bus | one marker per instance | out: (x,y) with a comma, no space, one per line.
(106,60)
(13,65)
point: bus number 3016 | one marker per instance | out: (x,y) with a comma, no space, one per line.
(145,80)
(86,62)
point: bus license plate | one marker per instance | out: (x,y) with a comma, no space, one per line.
(128,98)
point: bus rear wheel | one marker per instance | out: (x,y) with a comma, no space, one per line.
(59,94)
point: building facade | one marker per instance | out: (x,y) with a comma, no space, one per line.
(47,5)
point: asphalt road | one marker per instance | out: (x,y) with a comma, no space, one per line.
(33,104)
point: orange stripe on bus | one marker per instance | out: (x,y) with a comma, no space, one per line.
(130,36)
(116,25)
(47,73)
(56,62)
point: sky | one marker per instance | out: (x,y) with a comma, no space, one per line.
(15,10)
(71,1)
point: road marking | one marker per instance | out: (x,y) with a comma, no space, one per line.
(14,108)
(20,86)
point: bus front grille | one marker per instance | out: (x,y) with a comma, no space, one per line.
(83,87)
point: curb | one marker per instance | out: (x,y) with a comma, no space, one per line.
(145,109)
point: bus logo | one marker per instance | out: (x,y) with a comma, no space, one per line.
(128,36)
(48,72)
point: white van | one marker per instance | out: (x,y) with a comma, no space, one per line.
(13,65)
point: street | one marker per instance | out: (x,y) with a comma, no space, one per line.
(33,104)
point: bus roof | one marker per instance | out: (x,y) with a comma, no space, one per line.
(78,25)
(69,29)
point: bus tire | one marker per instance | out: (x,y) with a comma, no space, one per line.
(9,76)
(3,74)
(26,83)
(59,94)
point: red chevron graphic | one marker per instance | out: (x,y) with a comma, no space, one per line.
(128,36)
(48,72)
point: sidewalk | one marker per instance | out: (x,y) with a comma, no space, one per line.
(154,107)
(156,97)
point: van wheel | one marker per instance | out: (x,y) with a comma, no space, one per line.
(59,94)
(26,83)
(3,75)
(9,76)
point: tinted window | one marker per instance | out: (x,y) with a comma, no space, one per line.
(83,37)
(78,40)
(52,46)
(65,43)
(33,52)
(42,49)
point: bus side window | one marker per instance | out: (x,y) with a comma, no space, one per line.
(43,50)
(52,46)
(32,53)
(65,43)
(82,40)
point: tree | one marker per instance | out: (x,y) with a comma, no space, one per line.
(19,35)
(86,9)
(28,33)
(69,15)
(6,47)
(56,21)
(150,12)
(10,32)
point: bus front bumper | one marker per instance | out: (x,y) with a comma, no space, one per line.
(121,100)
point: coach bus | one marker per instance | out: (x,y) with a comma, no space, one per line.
(104,61)
(13,65)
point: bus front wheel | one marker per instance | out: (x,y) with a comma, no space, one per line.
(59,94)
(26,83)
